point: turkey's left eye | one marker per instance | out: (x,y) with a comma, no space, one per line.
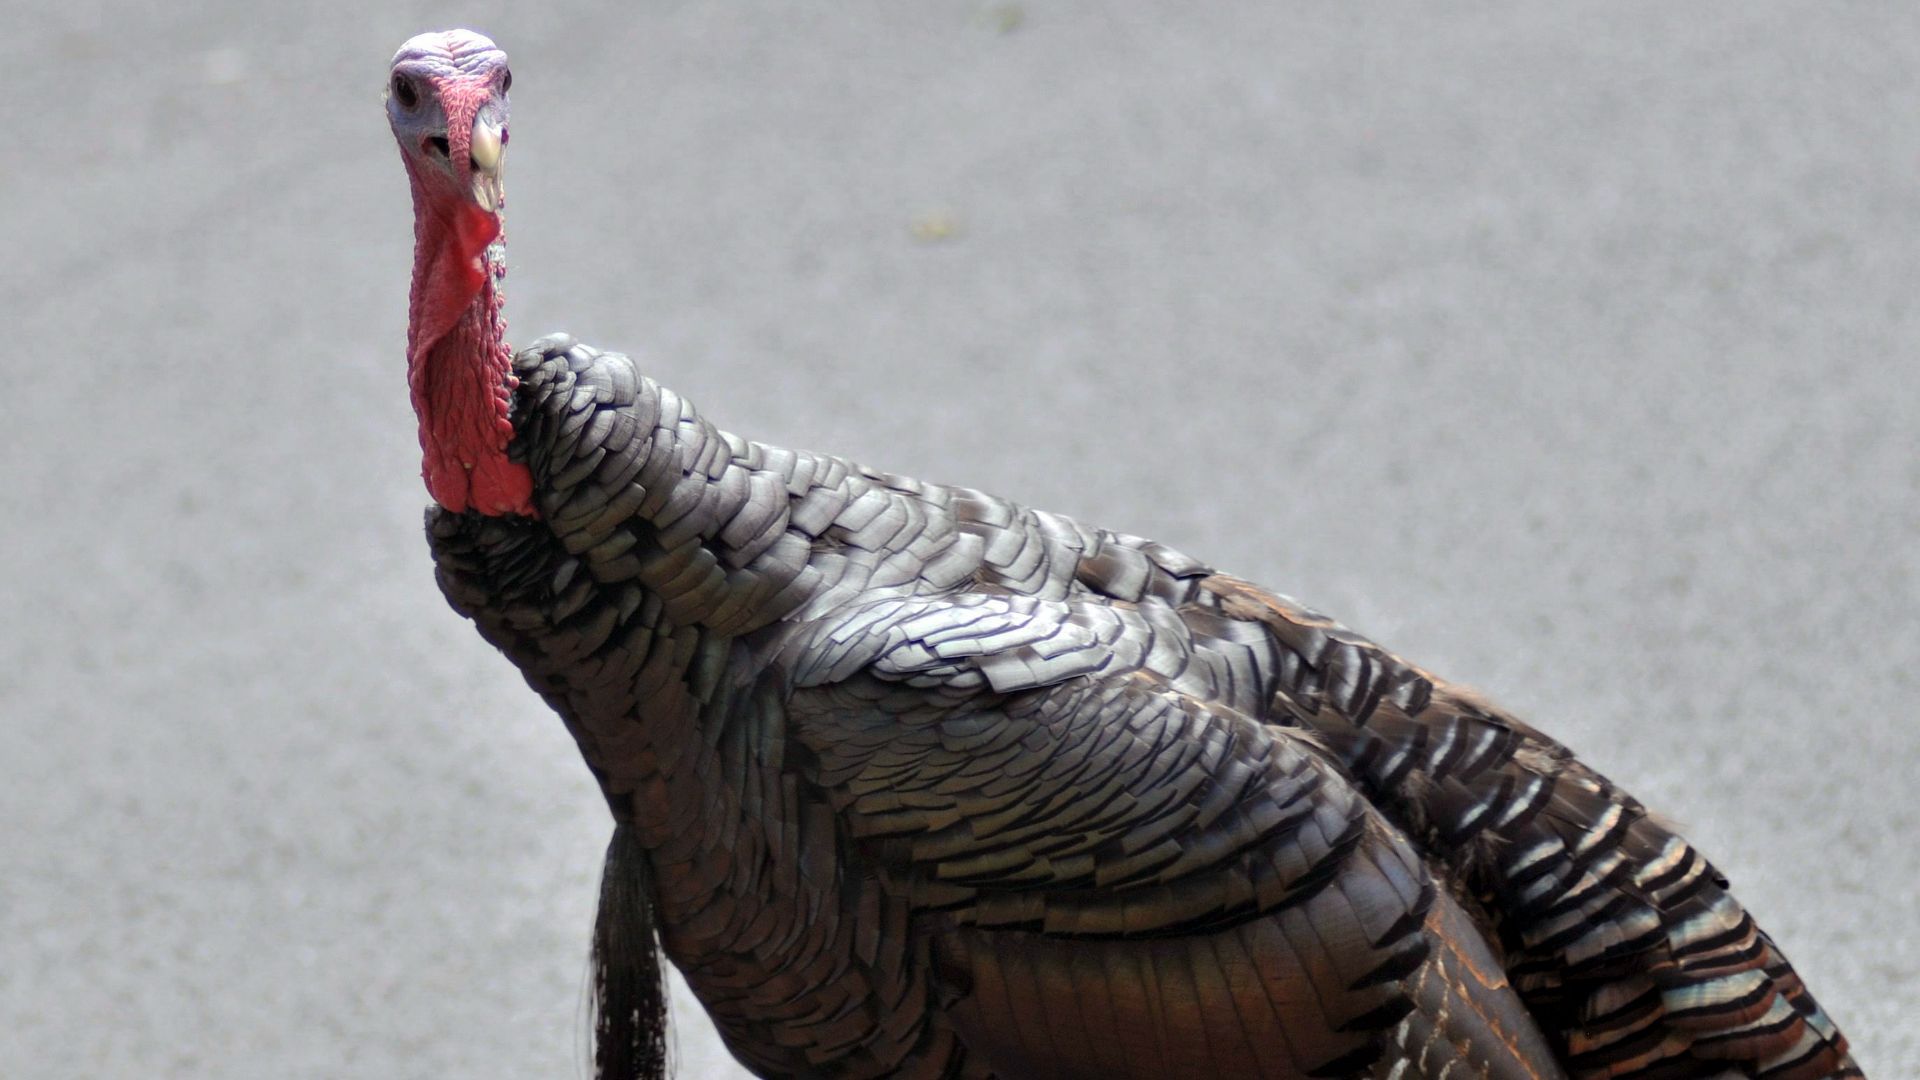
(506,81)
(404,93)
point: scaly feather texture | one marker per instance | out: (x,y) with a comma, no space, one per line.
(923,783)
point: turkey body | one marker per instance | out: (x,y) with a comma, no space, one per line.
(931,784)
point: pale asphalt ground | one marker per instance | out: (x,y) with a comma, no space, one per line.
(1568,349)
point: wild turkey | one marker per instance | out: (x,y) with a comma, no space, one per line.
(915,781)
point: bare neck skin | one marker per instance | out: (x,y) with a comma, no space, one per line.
(447,104)
(459,368)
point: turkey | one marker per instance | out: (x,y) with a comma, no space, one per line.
(909,780)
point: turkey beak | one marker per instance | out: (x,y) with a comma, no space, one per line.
(487,149)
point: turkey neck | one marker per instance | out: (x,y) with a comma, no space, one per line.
(459,363)
(663,563)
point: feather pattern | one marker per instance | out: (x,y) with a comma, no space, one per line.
(925,783)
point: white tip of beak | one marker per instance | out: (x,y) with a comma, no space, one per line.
(486,191)
(486,148)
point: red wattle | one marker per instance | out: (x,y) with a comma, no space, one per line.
(460,369)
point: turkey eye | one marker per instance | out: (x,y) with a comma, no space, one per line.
(506,81)
(404,92)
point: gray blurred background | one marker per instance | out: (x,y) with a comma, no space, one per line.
(1568,349)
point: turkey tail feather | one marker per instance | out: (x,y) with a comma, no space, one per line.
(1627,945)
(629,993)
